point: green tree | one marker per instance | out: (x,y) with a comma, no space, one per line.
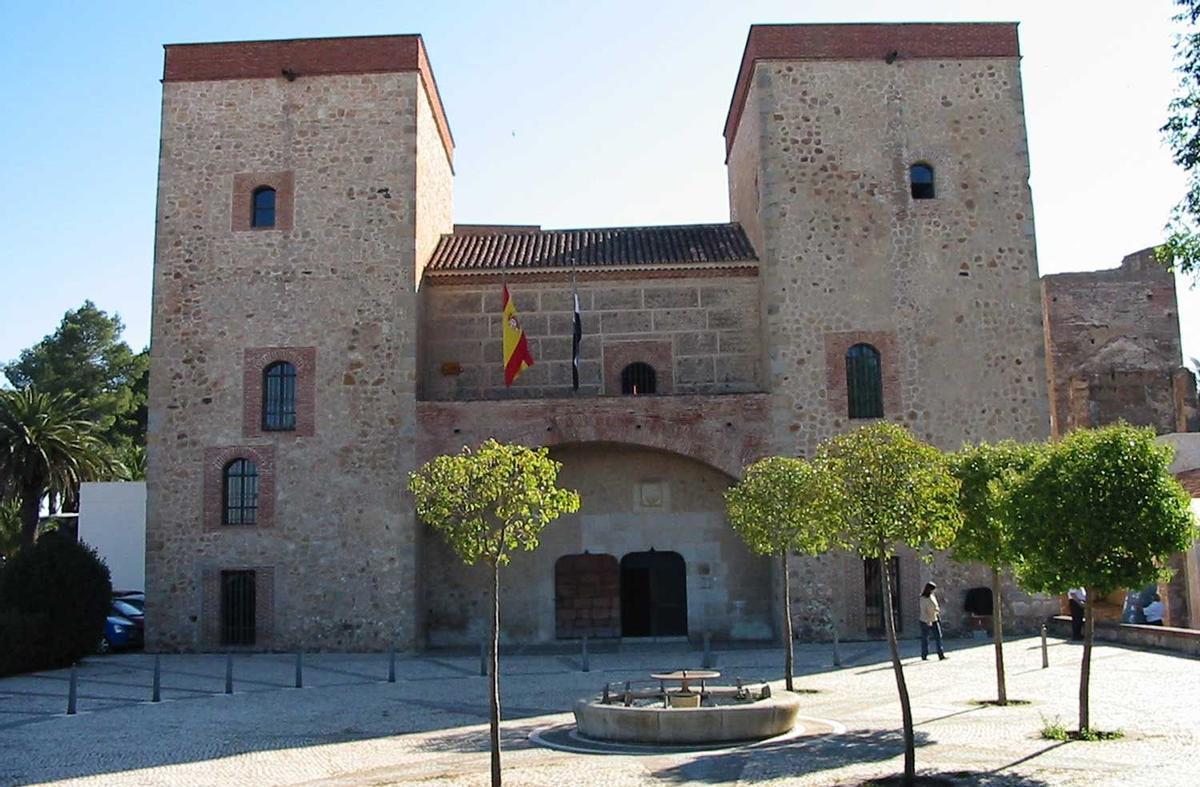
(86,357)
(47,446)
(885,489)
(775,509)
(10,527)
(1100,510)
(488,503)
(1182,133)
(986,533)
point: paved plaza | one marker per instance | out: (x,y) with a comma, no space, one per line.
(348,726)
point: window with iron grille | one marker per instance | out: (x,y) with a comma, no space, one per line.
(864,382)
(238,608)
(279,397)
(262,213)
(638,378)
(240,486)
(920,179)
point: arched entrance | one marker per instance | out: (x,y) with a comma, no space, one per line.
(653,595)
(586,596)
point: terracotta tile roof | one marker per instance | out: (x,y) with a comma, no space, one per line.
(612,247)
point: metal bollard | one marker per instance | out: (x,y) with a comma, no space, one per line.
(72,691)
(706,662)
(837,654)
(483,659)
(299,670)
(229,673)
(586,666)
(392,664)
(156,687)
(1045,652)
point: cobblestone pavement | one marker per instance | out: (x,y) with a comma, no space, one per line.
(348,726)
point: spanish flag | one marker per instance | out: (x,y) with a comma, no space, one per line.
(516,348)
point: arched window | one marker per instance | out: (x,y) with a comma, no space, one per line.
(262,212)
(864,382)
(920,178)
(638,378)
(279,397)
(240,493)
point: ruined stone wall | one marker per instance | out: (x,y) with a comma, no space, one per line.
(632,500)
(1114,347)
(945,288)
(699,334)
(332,285)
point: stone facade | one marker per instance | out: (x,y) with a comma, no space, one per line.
(392,317)
(1114,349)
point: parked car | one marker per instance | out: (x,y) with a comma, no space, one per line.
(135,597)
(119,633)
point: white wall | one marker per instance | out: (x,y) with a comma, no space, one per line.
(112,519)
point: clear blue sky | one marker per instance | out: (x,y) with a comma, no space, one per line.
(564,113)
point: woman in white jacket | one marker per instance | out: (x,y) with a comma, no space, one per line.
(931,621)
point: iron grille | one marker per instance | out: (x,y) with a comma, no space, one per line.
(638,378)
(241,493)
(279,397)
(864,382)
(238,599)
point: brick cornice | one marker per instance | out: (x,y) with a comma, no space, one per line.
(950,41)
(309,57)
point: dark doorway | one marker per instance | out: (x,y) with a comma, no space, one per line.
(238,624)
(587,599)
(653,595)
(873,576)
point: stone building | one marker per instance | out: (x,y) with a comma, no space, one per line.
(321,327)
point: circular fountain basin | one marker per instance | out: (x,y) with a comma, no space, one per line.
(745,721)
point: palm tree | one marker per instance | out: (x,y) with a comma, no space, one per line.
(47,446)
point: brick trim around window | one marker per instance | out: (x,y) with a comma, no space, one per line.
(836,345)
(255,360)
(618,355)
(215,460)
(264,605)
(241,208)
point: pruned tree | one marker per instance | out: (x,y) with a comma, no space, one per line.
(488,503)
(47,446)
(776,508)
(885,489)
(986,533)
(1100,510)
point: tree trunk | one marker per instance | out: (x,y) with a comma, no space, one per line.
(998,638)
(788,663)
(31,501)
(494,676)
(910,754)
(1089,626)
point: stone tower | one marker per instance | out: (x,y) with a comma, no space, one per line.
(302,187)
(832,134)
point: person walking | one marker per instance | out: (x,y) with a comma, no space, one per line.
(1154,611)
(931,622)
(1077,598)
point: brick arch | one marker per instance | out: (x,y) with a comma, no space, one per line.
(724,432)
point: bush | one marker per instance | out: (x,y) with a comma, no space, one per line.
(54,599)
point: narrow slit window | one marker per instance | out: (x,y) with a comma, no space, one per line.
(279,397)
(864,382)
(638,378)
(240,487)
(920,178)
(263,207)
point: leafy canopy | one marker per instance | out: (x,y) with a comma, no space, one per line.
(1100,509)
(492,500)
(1182,133)
(982,470)
(777,507)
(85,357)
(884,487)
